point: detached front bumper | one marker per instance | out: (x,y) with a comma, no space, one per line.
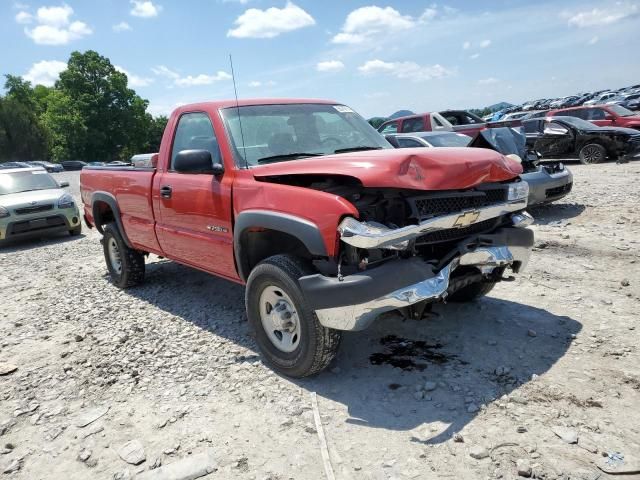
(353,302)
(547,186)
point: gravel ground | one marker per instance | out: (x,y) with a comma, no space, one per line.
(539,379)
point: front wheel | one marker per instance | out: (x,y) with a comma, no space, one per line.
(287,331)
(125,265)
(592,153)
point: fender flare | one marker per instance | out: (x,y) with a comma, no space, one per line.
(300,228)
(110,200)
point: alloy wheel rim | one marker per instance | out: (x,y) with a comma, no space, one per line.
(279,319)
(591,154)
(114,256)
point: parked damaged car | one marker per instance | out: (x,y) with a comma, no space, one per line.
(547,182)
(570,137)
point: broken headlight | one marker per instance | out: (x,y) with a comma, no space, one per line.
(518,191)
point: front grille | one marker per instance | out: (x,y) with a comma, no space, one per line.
(554,192)
(34,209)
(457,233)
(36,225)
(434,205)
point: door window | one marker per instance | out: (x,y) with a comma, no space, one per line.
(391,127)
(195,132)
(413,125)
(595,114)
(408,143)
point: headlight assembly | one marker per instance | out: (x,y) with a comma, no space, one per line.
(66,201)
(4,213)
(518,191)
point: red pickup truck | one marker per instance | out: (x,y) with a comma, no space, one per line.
(458,121)
(324,221)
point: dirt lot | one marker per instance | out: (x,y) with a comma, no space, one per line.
(542,377)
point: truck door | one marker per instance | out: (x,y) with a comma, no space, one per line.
(556,139)
(194,224)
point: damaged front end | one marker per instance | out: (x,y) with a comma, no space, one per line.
(410,248)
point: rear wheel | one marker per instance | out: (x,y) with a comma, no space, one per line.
(592,153)
(287,331)
(125,265)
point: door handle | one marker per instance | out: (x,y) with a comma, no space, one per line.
(165,191)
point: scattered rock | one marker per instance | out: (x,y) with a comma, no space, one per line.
(91,416)
(458,438)
(132,452)
(521,429)
(6,425)
(7,368)
(430,386)
(524,467)
(502,370)
(478,452)
(84,455)
(189,468)
(472,408)
(13,466)
(568,435)
(625,283)
(587,444)
(532,333)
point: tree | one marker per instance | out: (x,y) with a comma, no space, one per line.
(114,116)
(375,122)
(66,126)
(22,134)
(156,129)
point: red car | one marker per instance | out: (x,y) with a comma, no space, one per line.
(601,115)
(448,121)
(326,224)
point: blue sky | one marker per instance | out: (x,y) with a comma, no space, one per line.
(376,56)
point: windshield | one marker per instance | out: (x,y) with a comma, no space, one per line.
(17,182)
(448,140)
(274,133)
(621,111)
(578,122)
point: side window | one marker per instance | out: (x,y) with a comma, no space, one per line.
(408,143)
(580,113)
(195,132)
(390,128)
(595,114)
(413,125)
(554,128)
(452,119)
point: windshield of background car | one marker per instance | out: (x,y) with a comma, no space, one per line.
(578,122)
(448,140)
(294,131)
(618,110)
(16,182)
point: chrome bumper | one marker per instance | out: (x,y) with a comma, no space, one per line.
(367,235)
(360,316)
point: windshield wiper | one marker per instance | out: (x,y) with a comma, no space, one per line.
(356,149)
(284,156)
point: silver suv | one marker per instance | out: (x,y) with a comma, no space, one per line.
(32,203)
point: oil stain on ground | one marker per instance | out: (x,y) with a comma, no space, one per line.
(408,354)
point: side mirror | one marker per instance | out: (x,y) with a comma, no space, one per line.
(608,116)
(154,160)
(392,140)
(64,184)
(196,161)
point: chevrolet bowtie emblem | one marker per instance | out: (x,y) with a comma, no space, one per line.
(466,219)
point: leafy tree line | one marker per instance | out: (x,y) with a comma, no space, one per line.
(89,114)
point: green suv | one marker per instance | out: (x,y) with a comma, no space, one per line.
(32,203)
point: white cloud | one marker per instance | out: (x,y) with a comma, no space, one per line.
(55,16)
(599,17)
(121,27)
(145,9)
(255,84)
(366,22)
(474,56)
(488,81)
(330,66)
(428,14)
(24,17)
(466,45)
(405,70)
(202,79)
(593,40)
(269,23)
(135,81)
(45,72)
(54,26)
(485,43)
(166,72)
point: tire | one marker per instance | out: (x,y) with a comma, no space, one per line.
(592,153)
(471,292)
(308,347)
(131,262)
(74,232)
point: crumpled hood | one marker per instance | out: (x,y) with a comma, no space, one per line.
(24,199)
(412,168)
